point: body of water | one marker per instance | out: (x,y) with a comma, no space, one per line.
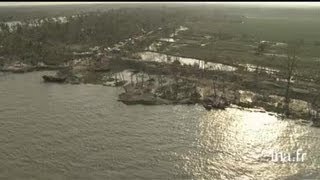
(62,131)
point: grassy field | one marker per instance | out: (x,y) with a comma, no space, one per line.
(238,42)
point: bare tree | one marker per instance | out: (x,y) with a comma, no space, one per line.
(131,78)
(257,74)
(261,47)
(116,78)
(291,65)
(137,79)
(315,106)
(159,79)
(259,52)
(142,79)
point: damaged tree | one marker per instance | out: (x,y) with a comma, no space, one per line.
(315,105)
(314,108)
(291,65)
(261,48)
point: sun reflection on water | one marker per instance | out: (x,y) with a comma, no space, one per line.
(236,144)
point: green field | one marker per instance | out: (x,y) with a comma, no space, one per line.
(240,41)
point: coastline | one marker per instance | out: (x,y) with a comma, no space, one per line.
(160,88)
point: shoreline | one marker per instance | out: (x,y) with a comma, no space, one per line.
(137,94)
(142,87)
(159,77)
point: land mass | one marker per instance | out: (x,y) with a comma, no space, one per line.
(168,57)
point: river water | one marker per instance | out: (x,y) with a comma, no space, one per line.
(53,131)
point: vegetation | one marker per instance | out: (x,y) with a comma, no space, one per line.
(291,68)
(52,42)
(259,47)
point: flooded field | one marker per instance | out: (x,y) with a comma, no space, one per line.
(158,57)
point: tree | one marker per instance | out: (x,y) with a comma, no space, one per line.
(261,47)
(291,66)
(4,28)
(259,51)
(315,106)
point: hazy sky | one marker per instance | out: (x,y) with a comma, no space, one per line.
(41,3)
(273,4)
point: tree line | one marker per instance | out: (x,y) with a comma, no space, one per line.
(49,41)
